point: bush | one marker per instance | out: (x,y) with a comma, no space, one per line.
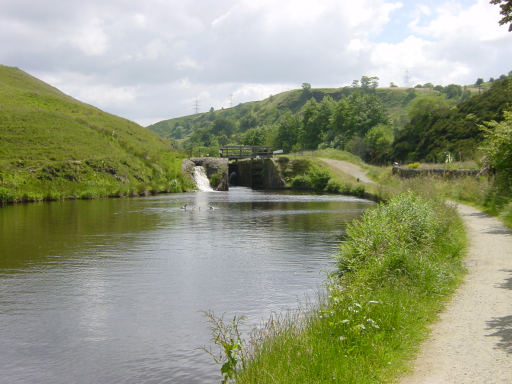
(333,186)
(301,182)
(216,179)
(7,196)
(300,166)
(390,231)
(414,165)
(319,178)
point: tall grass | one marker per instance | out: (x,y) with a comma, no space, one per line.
(400,262)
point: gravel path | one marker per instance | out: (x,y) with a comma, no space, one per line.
(349,168)
(472,342)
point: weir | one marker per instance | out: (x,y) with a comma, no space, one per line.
(202,182)
(222,173)
(215,170)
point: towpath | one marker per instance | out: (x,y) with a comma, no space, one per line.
(472,341)
(349,168)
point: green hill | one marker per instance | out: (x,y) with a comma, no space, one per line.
(270,110)
(53,147)
(341,118)
(432,133)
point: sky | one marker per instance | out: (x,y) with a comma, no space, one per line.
(156,59)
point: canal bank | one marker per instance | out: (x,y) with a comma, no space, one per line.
(395,271)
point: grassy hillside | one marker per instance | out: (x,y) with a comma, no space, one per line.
(53,146)
(432,133)
(270,110)
(360,119)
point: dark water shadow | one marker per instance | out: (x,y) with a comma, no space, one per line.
(502,328)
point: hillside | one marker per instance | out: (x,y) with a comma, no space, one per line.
(53,146)
(361,119)
(271,109)
(434,132)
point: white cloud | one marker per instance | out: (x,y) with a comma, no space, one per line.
(452,21)
(86,89)
(187,63)
(91,38)
(152,58)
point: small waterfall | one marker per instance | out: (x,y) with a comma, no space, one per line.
(202,182)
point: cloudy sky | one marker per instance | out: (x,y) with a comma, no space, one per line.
(151,60)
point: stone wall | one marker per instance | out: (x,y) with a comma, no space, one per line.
(257,174)
(447,173)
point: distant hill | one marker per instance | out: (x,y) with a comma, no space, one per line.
(456,129)
(53,146)
(271,109)
(302,119)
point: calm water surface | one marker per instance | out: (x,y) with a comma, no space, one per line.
(110,291)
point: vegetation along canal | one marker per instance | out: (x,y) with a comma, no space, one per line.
(111,291)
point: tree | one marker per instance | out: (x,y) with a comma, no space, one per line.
(479,83)
(306,87)
(224,125)
(378,142)
(506,11)
(315,121)
(369,83)
(255,136)
(311,133)
(497,146)
(211,114)
(453,90)
(249,120)
(288,132)
(340,123)
(424,106)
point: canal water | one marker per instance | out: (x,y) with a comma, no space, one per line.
(111,291)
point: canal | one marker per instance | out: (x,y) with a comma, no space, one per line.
(111,291)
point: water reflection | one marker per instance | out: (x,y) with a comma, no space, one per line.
(110,290)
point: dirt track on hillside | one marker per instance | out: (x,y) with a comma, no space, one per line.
(472,341)
(350,169)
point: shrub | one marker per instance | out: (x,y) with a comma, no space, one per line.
(319,178)
(216,179)
(406,223)
(300,166)
(301,182)
(7,196)
(414,165)
(333,186)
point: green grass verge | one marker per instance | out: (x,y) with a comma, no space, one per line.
(400,263)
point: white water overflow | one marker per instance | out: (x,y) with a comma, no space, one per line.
(202,182)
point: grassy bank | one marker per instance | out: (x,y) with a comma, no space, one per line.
(484,192)
(54,147)
(400,262)
(304,173)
